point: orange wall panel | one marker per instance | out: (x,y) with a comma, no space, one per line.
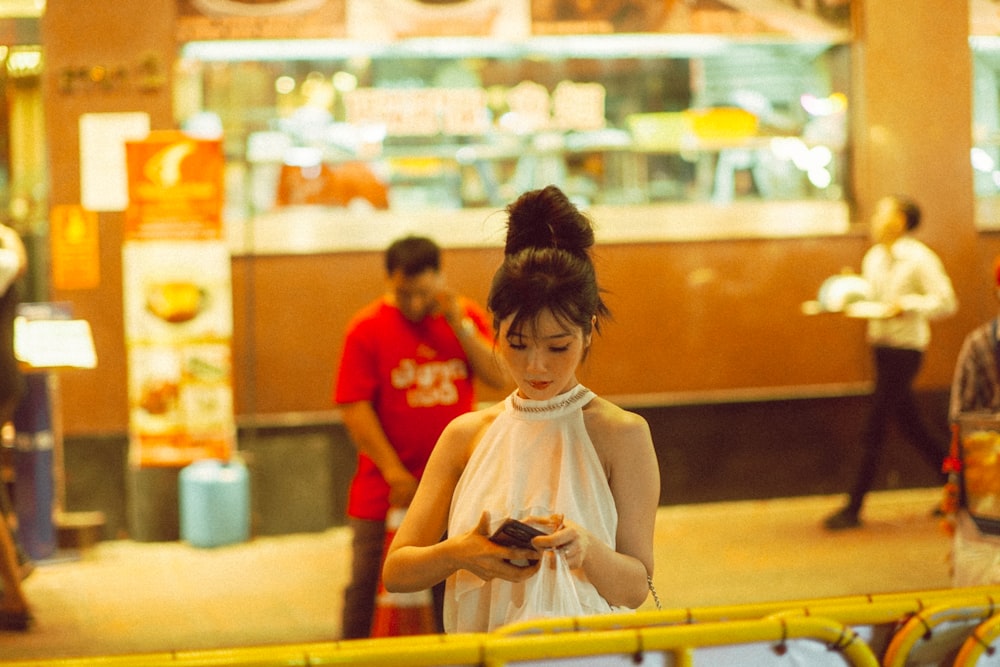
(712,316)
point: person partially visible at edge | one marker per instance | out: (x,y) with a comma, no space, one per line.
(975,392)
(407,369)
(910,281)
(15,613)
(552,452)
(975,385)
(13,265)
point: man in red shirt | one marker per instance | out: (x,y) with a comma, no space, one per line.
(406,370)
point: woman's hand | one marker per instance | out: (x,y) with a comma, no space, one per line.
(568,537)
(488,560)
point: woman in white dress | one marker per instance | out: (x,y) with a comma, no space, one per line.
(552,454)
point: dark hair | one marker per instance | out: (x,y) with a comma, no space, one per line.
(547,264)
(412,255)
(910,210)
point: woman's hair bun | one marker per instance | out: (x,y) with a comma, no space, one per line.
(547,265)
(546,218)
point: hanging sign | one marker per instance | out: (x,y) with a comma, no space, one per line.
(74,248)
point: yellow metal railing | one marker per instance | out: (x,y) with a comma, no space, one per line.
(682,641)
(962,618)
(937,632)
(979,643)
(412,651)
(851,610)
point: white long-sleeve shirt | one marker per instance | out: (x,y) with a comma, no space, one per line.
(911,276)
(10,264)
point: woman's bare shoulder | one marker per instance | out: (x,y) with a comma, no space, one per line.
(603,416)
(621,438)
(473,422)
(460,438)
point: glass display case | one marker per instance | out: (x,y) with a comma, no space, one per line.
(986,129)
(451,123)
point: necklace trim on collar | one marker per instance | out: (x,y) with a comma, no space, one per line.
(553,404)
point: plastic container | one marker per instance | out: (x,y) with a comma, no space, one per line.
(979,439)
(214,503)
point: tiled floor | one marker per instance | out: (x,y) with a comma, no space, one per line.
(127,597)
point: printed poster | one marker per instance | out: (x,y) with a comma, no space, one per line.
(384,21)
(177,295)
(199,20)
(175,187)
(74,249)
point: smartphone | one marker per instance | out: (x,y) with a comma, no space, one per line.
(514,533)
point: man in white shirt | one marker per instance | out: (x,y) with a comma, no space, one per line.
(910,281)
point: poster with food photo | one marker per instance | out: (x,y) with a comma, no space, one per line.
(178,325)
(177,290)
(786,17)
(259,19)
(180,402)
(390,20)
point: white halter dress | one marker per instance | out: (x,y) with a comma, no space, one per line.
(537,459)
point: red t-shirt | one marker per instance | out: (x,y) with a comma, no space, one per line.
(416,377)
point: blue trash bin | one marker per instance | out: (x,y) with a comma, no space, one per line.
(214,503)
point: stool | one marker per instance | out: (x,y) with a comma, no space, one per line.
(214,503)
